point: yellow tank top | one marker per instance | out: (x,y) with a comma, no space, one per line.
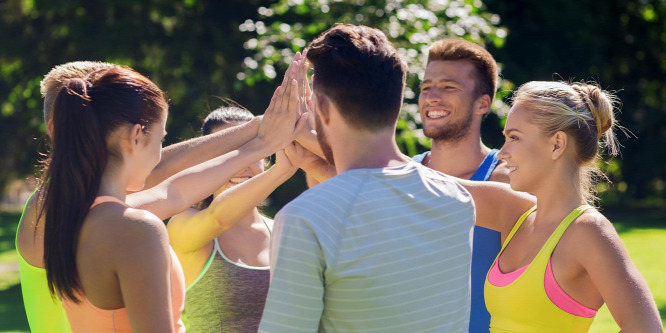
(45,314)
(523,305)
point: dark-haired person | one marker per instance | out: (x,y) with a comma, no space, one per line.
(563,259)
(175,192)
(98,251)
(385,244)
(458,87)
(223,245)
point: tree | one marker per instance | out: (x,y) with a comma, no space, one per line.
(286,26)
(621,46)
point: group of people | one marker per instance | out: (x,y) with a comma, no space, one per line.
(460,238)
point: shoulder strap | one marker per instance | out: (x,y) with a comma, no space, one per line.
(265,220)
(486,167)
(517,225)
(554,238)
(107,198)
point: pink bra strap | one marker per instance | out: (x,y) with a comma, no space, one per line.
(106,198)
(560,298)
(499,279)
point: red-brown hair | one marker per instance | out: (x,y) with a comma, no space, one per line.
(86,111)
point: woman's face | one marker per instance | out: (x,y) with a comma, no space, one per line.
(150,153)
(245,174)
(526,150)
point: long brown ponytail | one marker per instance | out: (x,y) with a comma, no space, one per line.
(86,111)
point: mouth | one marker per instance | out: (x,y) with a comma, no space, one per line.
(511,169)
(436,114)
(238,180)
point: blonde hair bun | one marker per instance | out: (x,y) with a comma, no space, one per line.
(600,103)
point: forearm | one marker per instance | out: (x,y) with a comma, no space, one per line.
(182,155)
(231,205)
(196,183)
(308,139)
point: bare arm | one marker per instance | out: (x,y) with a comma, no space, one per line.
(182,155)
(316,167)
(143,265)
(194,184)
(498,207)
(621,285)
(190,231)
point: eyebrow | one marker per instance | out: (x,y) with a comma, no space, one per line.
(507,131)
(439,81)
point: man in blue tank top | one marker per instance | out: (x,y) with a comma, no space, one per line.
(456,93)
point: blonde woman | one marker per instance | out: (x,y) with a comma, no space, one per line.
(562,259)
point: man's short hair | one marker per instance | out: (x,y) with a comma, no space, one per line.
(460,49)
(52,82)
(358,69)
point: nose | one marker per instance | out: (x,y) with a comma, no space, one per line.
(433,96)
(502,154)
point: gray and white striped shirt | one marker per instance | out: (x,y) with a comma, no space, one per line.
(373,250)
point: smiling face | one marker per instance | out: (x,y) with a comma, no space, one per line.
(446,102)
(243,175)
(526,150)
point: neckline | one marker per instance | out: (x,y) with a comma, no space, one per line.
(218,249)
(559,230)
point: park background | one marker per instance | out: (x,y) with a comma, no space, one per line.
(200,51)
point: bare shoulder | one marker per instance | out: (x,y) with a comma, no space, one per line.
(592,235)
(181,217)
(122,229)
(500,173)
(590,226)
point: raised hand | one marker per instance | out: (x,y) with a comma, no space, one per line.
(283,164)
(279,121)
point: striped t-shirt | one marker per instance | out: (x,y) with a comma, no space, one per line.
(373,250)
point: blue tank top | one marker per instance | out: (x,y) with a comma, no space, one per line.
(486,244)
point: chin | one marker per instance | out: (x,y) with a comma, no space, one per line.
(135,187)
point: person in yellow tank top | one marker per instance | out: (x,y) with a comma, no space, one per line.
(563,259)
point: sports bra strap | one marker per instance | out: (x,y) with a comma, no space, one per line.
(517,225)
(107,198)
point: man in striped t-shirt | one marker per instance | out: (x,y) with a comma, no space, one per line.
(384,246)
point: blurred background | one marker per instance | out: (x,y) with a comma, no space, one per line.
(200,51)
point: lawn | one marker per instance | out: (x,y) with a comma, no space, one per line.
(643,232)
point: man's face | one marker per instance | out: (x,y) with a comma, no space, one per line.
(447,97)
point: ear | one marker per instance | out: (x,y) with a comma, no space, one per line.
(482,104)
(135,137)
(323,107)
(559,144)
(49,127)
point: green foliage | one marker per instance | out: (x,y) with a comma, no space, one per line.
(621,46)
(287,26)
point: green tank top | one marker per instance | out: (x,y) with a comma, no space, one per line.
(226,296)
(45,314)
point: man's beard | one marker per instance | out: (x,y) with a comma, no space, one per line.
(323,143)
(452,132)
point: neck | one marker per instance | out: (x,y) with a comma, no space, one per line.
(558,195)
(459,159)
(114,182)
(353,149)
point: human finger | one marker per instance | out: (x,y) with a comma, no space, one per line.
(271,105)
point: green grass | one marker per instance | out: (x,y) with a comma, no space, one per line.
(642,231)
